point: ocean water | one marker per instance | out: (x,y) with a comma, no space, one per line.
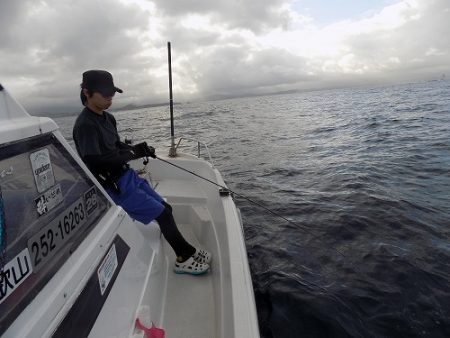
(364,173)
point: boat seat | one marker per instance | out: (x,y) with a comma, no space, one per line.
(180,191)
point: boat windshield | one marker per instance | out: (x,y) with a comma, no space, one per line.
(49,205)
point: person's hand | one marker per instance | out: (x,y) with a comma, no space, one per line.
(149,151)
(144,150)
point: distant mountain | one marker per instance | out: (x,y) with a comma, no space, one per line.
(133,106)
(53,114)
(130,106)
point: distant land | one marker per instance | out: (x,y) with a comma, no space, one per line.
(126,107)
(131,106)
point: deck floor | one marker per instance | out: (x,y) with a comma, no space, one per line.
(189,310)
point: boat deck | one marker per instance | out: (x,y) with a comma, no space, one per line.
(189,309)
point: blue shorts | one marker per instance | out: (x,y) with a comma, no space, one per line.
(137,198)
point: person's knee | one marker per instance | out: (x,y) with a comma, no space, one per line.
(167,205)
(165,215)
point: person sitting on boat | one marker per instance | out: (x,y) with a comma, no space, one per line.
(98,144)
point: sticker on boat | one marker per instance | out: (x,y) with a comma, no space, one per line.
(106,270)
(6,172)
(14,273)
(49,200)
(90,200)
(42,169)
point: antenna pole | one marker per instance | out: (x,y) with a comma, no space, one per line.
(173,150)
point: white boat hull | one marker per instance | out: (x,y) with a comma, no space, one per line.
(122,269)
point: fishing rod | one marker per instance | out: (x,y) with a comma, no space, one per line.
(172,151)
(223,189)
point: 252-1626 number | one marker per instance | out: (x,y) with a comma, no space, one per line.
(51,238)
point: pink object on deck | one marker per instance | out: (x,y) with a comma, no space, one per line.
(152,332)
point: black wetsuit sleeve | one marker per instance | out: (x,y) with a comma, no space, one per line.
(124,146)
(88,145)
(109,160)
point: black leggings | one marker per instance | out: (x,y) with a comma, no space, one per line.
(171,233)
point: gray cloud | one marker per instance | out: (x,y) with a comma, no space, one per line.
(10,12)
(420,45)
(49,44)
(255,15)
(187,40)
(240,70)
(46,45)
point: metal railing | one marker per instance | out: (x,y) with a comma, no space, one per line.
(199,146)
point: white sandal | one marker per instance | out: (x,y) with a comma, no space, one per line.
(202,256)
(191,266)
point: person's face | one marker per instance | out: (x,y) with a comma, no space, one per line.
(99,101)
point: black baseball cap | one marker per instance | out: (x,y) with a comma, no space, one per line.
(99,81)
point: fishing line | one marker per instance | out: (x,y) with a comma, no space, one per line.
(297,225)
(225,189)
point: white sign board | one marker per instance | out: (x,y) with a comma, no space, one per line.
(15,272)
(106,270)
(42,169)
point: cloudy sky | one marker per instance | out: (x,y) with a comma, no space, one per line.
(220,48)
